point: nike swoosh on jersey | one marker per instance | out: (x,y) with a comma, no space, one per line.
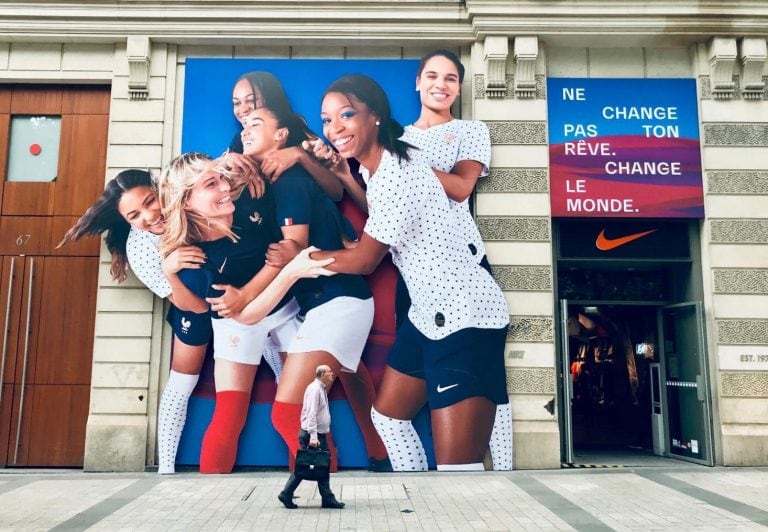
(441,389)
(605,244)
(221,268)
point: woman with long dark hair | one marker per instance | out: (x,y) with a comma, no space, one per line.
(257,89)
(459,152)
(128,214)
(337,311)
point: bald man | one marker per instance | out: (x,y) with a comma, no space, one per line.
(315,424)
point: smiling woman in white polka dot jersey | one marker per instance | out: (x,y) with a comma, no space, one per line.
(459,152)
(449,351)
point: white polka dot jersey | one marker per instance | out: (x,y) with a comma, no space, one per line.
(410,213)
(441,147)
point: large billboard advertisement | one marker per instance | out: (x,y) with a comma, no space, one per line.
(208,126)
(624,148)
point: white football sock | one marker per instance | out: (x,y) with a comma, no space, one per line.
(478,466)
(171,417)
(271,356)
(501,439)
(404,447)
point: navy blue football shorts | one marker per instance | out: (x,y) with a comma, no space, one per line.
(467,363)
(190,328)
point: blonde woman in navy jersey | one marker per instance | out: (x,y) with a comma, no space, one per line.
(128,213)
(234,229)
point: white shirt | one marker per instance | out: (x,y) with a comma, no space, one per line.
(441,147)
(315,413)
(409,211)
(141,248)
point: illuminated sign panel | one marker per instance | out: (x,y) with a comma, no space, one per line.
(624,148)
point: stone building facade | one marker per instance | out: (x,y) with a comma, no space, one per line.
(510,49)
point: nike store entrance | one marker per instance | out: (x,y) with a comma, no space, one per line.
(632,353)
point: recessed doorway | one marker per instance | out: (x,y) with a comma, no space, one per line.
(634,388)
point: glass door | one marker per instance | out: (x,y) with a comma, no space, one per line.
(686,383)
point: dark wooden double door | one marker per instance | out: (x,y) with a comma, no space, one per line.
(48,295)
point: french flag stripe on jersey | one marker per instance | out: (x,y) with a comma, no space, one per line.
(287,221)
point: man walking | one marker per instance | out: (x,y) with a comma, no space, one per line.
(315,424)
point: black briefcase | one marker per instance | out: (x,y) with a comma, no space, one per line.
(312,464)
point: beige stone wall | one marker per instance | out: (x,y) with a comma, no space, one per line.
(512,210)
(735,263)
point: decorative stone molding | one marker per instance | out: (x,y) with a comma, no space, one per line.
(742,332)
(510,228)
(521,133)
(706,88)
(531,380)
(722,58)
(496,52)
(523,278)
(740,281)
(515,180)
(509,94)
(753,53)
(730,182)
(138,51)
(531,329)
(735,134)
(526,53)
(730,231)
(480,89)
(743,383)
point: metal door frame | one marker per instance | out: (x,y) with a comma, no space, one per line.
(703,363)
(565,375)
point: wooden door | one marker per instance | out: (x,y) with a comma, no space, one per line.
(48,295)
(46,386)
(84,114)
(60,301)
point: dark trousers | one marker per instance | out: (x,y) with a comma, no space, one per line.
(324,485)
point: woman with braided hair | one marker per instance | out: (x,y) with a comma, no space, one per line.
(449,350)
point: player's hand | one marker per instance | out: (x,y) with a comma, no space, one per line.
(230,303)
(184,257)
(277,162)
(281,253)
(247,169)
(302,266)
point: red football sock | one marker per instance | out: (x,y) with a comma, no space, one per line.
(219,449)
(286,418)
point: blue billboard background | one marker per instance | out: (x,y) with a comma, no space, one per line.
(208,126)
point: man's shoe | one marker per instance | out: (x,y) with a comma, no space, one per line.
(332,503)
(380,465)
(287,500)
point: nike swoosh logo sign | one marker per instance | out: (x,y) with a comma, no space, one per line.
(605,244)
(221,269)
(441,389)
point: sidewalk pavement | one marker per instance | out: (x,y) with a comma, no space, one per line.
(641,498)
